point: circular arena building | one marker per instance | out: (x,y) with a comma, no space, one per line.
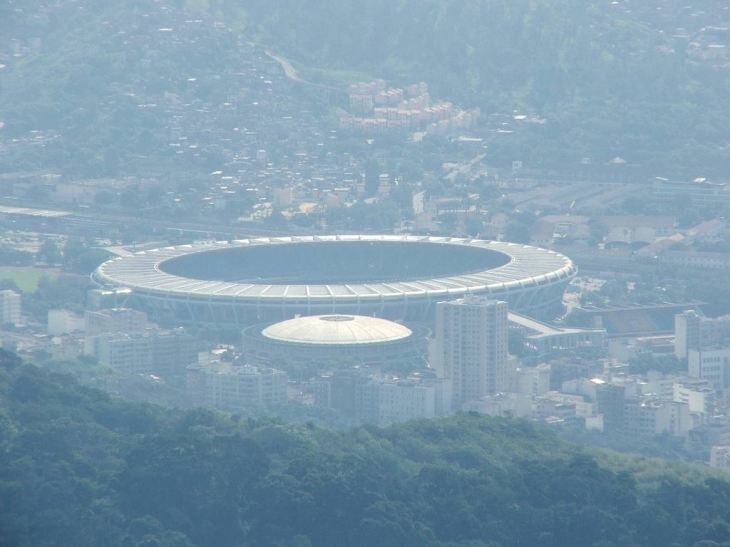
(324,339)
(238,283)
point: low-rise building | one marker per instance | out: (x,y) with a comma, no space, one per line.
(646,417)
(399,400)
(532,381)
(62,322)
(695,260)
(381,400)
(565,406)
(550,228)
(166,354)
(629,229)
(112,320)
(697,394)
(543,339)
(720,456)
(698,192)
(227,386)
(510,405)
(710,364)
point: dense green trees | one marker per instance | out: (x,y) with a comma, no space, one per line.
(49,253)
(80,468)
(80,257)
(64,291)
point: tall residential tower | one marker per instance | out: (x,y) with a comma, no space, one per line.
(470,347)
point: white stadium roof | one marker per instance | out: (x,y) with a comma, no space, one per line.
(527,266)
(336,330)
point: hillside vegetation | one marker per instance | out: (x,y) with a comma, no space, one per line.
(80,468)
(609,79)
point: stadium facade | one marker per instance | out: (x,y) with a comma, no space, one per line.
(399,277)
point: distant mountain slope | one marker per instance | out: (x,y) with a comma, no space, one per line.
(79,468)
(612,78)
(141,88)
(648,82)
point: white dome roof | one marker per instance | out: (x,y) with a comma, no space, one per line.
(336,329)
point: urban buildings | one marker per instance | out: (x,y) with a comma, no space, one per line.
(543,340)
(645,417)
(114,320)
(506,404)
(711,364)
(165,354)
(398,400)
(698,394)
(631,229)
(381,399)
(10,307)
(720,456)
(470,347)
(375,108)
(111,320)
(234,387)
(62,322)
(532,381)
(693,331)
(699,191)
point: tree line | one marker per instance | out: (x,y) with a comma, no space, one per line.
(78,467)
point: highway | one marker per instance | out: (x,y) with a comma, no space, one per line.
(89,221)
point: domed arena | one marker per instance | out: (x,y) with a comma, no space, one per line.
(400,277)
(320,339)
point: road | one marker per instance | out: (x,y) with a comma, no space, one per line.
(289,70)
(89,221)
(293,74)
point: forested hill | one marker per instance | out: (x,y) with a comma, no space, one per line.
(645,81)
(78,468)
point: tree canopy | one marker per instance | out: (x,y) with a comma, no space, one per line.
(607,79)
(80,468)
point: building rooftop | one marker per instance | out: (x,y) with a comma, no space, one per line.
(337,329)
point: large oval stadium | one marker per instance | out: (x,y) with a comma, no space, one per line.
(235,283)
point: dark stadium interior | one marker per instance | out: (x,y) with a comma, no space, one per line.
(340,262)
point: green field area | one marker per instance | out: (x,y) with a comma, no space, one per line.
(26,278)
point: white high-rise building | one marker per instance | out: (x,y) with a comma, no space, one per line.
(693,331)
(686,333)
(10,307)
(470,347)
